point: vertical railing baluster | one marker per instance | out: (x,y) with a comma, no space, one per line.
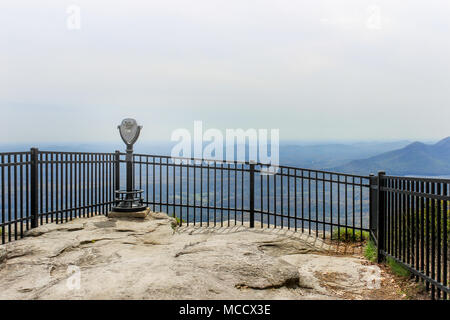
(46,188)
(52,198)
(427,233)
(215,192)
(147,180)
(41,186)
(57,187)
(21,190)
(353,211)
(289,197)
(339,206)
(221,195)
(252,195)
(303,205)
(275,200)
(346,208)
(103,183)
(445,222)
(174,188)
(268,199)
(422,228)
(316,213)
(395,218)
(195,192)
(323,206)
(433,238)
(15,197)
(361,206)
(153,185)
(438,235)
(229,188)
(3,198)
(66,186)
(404,221)
(167,185)
(91,185)
(309,202)
(207,194)
(71,185)
(201,193)
(98,185)
(417,223)
(33,188)
(381,205)
(242,194)
(85,184)
(27,190)
(81,185)
(331,206)
(407,222)
(261,196)
(401,215)
(187,193)
(388,213)
(295,200)
(281,199)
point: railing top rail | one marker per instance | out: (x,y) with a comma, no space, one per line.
(248,163)
(76,152)
(11,153)
(326,172)
(420,179)
(192,159)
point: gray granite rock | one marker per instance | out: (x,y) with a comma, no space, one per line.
(152,258)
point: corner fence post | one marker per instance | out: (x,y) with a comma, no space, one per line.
(252,195)
(380,217)
(116,173)
(34,215)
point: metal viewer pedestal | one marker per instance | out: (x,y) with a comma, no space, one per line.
(129,202)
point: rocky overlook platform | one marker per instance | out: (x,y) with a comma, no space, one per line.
(153,258)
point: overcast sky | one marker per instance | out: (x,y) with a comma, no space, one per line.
(317,70)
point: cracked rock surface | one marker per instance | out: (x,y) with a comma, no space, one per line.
(152,258)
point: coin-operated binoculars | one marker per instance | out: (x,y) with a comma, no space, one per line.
(129,200)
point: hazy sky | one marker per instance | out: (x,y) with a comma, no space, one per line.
(315,69)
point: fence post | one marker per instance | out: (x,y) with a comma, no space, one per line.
(373,182)
(34,187)
(252,194)
(117,173)
(380,217)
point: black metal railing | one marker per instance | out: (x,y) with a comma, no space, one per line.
(414,227)
(73,184)
(217,193)
(407,218)
(39,187)
(15,194)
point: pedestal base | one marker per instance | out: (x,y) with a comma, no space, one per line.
(139,214)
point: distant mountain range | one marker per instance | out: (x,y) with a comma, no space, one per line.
(394,157)
(415,159)
(323,156)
